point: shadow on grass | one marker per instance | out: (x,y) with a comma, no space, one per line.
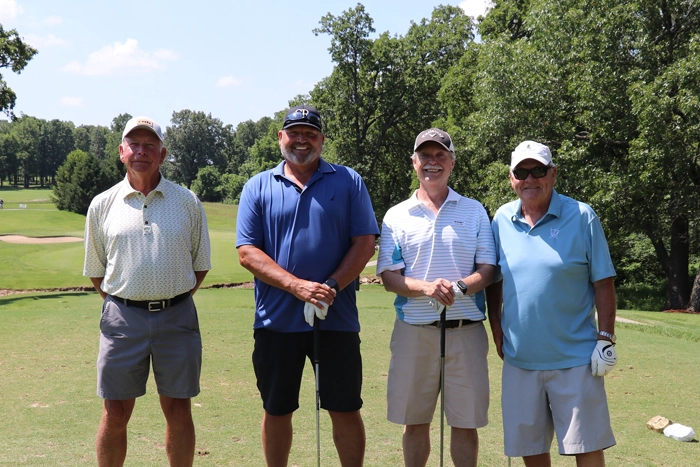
(17,298)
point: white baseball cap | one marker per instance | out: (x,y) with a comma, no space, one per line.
(146,123)
(531,150)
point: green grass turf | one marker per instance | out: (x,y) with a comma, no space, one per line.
(50,412)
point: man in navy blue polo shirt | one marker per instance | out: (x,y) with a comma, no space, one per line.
(306,229)
(557,272)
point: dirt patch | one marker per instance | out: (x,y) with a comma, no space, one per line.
(21,239)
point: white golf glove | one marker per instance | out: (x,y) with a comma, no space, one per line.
(604,358)
(457,291)
(310,310)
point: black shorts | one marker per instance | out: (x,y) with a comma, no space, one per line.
(279,358)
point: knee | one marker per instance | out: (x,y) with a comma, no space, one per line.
(177,411)
(117,413)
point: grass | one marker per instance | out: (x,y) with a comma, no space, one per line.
(50,410)
(61,265)
(48,348)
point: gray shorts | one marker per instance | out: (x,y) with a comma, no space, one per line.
(131,337)
(537,403)
(413,384)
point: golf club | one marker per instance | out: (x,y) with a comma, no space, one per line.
(442,384)
(317,359)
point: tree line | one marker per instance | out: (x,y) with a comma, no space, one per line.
(611,86)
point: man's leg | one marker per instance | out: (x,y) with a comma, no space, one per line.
(539,460)
(179,431)
(349,437)
(464,447)
(111,436)
(276,434)
(591,459)
(416,445)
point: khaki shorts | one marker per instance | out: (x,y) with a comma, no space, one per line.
(414,375)
(570,402)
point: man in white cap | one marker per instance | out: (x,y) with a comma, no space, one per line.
(146,253)
(437,251)
(556,270)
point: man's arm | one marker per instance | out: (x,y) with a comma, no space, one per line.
(494,305)
(97,282)
(606,304)
(200,275)
(355,260)
(267,270)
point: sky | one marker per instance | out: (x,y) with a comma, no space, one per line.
(236,60)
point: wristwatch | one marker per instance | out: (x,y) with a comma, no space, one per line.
(463,287)
(607,335)
(333,284)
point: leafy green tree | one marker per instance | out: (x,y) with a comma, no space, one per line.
(612,88)
(28,133)
(9,165)
(15,55)
(382,93)
(55,142)
(207,185)
(78,180)
(194,141)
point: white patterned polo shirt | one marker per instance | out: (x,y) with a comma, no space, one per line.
(146,247)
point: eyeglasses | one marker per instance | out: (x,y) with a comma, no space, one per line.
(537,172)
(302,115)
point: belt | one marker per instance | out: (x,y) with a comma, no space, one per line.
(152,305)
(453,323)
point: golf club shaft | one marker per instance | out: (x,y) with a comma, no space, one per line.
(442,384)
(317,359)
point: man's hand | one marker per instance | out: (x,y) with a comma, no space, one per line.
(604,358)
(311,310)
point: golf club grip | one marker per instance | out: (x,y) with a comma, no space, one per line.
(442,332)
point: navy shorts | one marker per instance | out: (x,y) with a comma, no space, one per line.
(133,338)
(279,358)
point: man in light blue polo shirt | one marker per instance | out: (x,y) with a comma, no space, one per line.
(556,271)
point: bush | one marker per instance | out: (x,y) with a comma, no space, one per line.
(78,180)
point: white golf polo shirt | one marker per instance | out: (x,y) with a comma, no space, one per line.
(428,247)
(146,247)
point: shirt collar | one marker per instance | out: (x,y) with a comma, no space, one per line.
(452,197)
(323,167)
(128,190)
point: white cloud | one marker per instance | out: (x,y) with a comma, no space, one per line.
(228,81)
(475,8)
(69,101)
(9,10)
(121,59)
(45,41)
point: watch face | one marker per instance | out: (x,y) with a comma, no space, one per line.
(332,283)
(462,286)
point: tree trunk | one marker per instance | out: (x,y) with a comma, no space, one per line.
(677,287)
(694,304)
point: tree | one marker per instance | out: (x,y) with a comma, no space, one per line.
(55,142)
(78,180)
(382,93)
(612,88)
(207,185)
(195,140)
(14,54)
(28,133)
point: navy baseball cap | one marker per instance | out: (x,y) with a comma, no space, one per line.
(302,115)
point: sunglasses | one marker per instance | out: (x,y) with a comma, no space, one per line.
(303,115)
(537,172)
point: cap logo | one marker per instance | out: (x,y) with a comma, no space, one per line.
(433,133)
(145,122)
(303,112)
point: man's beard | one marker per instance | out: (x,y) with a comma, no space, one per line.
(310,158)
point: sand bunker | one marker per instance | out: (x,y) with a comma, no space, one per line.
(34,240)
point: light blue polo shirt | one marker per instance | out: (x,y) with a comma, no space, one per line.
(308,233)
(548,274)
